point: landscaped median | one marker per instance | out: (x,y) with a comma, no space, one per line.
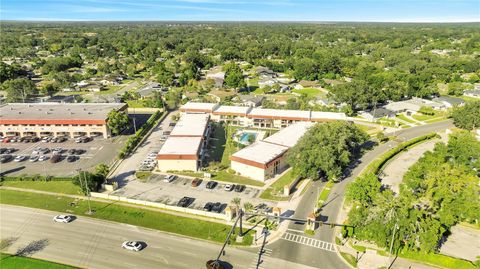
(275,191)
(190,227)
(8,261)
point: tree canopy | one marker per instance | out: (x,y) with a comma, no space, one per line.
(468,116)
(326,150)
(117,121)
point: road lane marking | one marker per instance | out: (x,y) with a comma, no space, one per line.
(307,241)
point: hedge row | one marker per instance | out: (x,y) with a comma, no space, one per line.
(133,141)
(377,165)
(34,178)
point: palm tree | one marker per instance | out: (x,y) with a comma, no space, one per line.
(236,201)
(248,207)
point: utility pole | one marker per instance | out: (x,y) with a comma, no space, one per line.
(395,227)
(89,212)
(134,121)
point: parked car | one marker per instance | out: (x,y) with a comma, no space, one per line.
(169,178)
(196,182)
(229,187)
(46,139)
(42,158)
(35,139)
(20,158)
(218,207)
(239,188)
(57,151)
(82,139)
(3,150)
(152,155)
(208,206)
(71,151)
(33,158)
(63,218)
(79,151)
(132,245)
(185,201)
(27,139)
(211,184)
(71,158)
(5,158)
(55,158)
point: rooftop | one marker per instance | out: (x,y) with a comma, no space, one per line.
(58,111)
(316,115)
(181,146)
(290,135)
(451,100)
(260,152)
(280,113)
(232,110)
(193,106)
(191,124)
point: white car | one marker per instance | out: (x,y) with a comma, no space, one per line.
(20,158)
(33,158)
(229,187)
(132,245)
(63,218)
(152,155)
(169,178)
(42,158)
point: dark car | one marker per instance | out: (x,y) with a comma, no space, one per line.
(61,139)
(211,185)
(34,139)
(27,139)
(185,201)
(3,150)
(196,182)
(5,158)
(79,151)
(72,152)
(239,188)
(55,158)
(218,207)
(71,158)
(208,206)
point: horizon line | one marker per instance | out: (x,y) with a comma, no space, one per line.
(238,21)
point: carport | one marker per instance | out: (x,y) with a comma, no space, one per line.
(77,134)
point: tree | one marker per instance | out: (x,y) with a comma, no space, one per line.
(117,121)
(248,207)
(236,201)
(10,71)
(364,189)
(468,116)
(326,149)
(234,76)
(18,89)
(102,170)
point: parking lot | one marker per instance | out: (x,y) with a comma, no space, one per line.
(91,153)
(157,190)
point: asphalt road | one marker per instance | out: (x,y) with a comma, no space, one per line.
(323,259)
(91,243)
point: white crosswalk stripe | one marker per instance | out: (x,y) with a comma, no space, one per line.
(265,256)
(307,241)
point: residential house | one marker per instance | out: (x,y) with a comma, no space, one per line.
(472,93)
(251,100)
(413,105)
(378,113)
(449,102)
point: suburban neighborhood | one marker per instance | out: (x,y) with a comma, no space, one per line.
(193,140)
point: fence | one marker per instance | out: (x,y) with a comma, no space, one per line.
(162,206)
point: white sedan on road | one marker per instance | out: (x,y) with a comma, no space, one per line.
(63,218)
(132,245)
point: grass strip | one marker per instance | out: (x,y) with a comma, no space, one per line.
(437,259)
(196,228)
(8,261)
(65,187)
(278,186)
(349,258)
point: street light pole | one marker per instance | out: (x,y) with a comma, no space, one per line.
(395,227)
(87,189)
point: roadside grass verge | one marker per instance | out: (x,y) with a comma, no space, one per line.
(65,187)
(349,258)
(403,117)
(436,259)
(196,228)
(8,261)
(311,92)
(324,194)
(271,193)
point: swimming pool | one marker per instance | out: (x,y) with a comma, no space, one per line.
(245,135)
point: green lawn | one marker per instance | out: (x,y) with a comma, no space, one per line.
(311,92)
(349,258)
(66,187)
(120,213)
(324,194)
(135,104)
(403,117)
(437,259)
(229,146)
(271,193)
(111,89)
(218,144)
(18,262)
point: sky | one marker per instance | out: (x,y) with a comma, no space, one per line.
(242,10)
